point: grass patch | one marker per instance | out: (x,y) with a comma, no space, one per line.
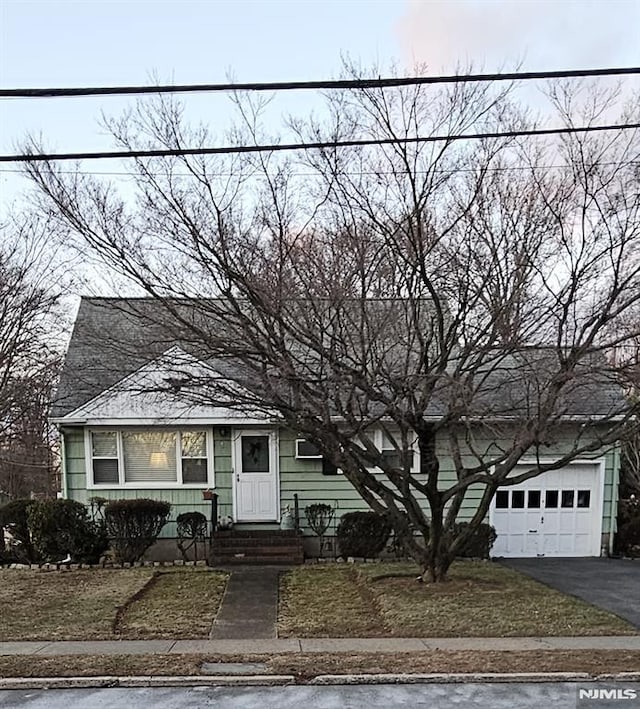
(481,599)
(86,604)
(177,604)
(305,666)
(65,605)
(326,602)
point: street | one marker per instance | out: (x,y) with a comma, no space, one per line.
(560,695)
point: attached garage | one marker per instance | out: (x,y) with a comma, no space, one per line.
(558,513)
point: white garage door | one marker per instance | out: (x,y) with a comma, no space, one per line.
(558,513)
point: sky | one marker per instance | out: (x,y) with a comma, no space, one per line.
(45,43)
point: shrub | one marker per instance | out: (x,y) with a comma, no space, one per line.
(398,546)
(319,518)
(363,534)
(478,546)
(13,516)
(63,527)
(134,525)
(191,528)
(628,535)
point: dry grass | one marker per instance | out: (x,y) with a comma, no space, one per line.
(65,605)
(305,666)
(86,604)
(480,600)
(326,602)
(177,604)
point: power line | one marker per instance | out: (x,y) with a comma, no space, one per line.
(312,85)
(501,168)
(279,147)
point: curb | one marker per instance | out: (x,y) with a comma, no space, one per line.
(473,677)
(105,682)
(144,681)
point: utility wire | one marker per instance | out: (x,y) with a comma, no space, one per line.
(312,85)
(502,168)
(279,147)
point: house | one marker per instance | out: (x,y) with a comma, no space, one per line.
(127,431)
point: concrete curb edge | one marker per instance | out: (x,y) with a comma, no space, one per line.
(16,683)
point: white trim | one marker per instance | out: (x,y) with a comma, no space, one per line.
(319,456)
(170,485)
(63,465)
(180,421)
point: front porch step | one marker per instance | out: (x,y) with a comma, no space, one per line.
(238,546)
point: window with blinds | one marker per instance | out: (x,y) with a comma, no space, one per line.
(150,456)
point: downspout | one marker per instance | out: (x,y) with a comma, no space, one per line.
(63,464)
(615,488)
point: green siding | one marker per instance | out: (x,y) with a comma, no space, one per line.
(305,478)
(182,500)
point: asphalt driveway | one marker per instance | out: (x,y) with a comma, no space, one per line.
(612,584)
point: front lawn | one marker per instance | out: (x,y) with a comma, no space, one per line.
(104,604)
(482,599)
(304,666)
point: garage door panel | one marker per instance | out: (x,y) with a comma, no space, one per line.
(555,514)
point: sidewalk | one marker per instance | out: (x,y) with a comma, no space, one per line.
(272,646)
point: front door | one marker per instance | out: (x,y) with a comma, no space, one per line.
(255,476)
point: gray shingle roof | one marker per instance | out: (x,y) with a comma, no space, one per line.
(114,337)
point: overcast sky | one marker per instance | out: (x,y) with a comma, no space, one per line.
(97,42)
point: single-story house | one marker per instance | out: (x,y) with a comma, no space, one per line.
(126,434)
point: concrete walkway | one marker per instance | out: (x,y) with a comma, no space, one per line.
(263,646)
(250,604)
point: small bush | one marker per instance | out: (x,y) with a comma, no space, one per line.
(13,516)
(319,517)
(63,527)
(363,534)
(134,525)
(628,535)
(191,528)
(478,546)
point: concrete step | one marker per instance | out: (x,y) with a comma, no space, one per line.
(257,559)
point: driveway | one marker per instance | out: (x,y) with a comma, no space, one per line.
(612,584)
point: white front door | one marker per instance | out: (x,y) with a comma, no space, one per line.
(558,513)
(255,468)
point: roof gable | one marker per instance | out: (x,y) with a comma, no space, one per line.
(157,392)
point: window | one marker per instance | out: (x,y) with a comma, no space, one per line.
(149,456)
(584,498)
(104,453)
(391,452)
(306,449)
(255,454)
(194,456)
(143,458)
(502,499)
(517,499)
(567,498)
(533,499)
(551,499)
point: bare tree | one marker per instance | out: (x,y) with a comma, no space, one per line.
(461,295)
(30,348)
